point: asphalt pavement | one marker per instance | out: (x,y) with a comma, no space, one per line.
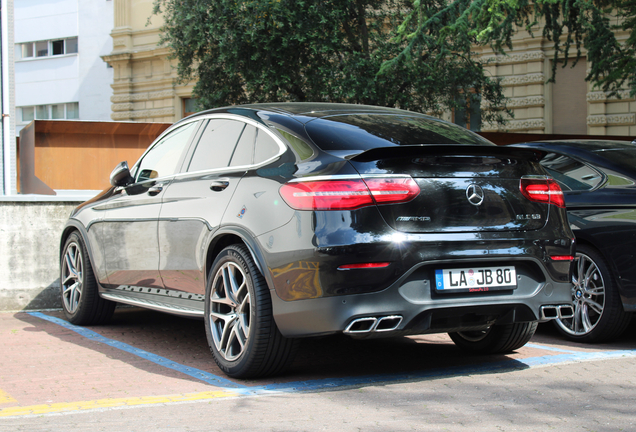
(151,371)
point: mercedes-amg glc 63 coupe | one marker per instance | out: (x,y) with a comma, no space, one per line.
(275,222)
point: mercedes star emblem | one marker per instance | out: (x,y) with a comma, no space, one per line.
(475,194)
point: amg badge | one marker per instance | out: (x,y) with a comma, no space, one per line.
(413,219)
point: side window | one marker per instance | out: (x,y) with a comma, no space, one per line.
(216,145)
(163,157)
(244,152)
(266,147)
(572,175)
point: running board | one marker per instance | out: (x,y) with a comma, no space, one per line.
(156,304)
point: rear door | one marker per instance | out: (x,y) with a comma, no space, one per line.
(194,204)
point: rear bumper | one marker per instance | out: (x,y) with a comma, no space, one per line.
(411,306)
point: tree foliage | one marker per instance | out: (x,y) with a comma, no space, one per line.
(569,24)
(243,51)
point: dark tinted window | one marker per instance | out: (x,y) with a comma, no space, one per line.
(216,145)
(244,152)
(622,157)
(366,131)
(162,159)
(266,147)
(571,174)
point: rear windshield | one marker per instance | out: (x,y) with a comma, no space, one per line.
(367,131)
(622,157)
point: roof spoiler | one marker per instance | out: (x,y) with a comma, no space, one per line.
(445,150)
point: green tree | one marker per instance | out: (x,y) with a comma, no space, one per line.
(568,24)
(244,51)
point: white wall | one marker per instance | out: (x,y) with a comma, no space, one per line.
(45,19)
(95,24)
(83,77)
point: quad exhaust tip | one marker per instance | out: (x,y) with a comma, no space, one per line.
(374,324)
(556,311)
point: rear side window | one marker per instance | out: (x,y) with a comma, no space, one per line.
(266,147)
(571,174)
(244,152)
(367,131)
(162,159)
(216,145)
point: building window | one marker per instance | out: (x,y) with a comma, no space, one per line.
(189,106)
(47,48)
(69,111)
(468,114)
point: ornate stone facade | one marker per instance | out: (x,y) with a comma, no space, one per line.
(145,89)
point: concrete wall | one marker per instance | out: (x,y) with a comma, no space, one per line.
(29,253)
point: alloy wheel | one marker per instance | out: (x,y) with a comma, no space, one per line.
(588,298)
(230,311)
(72,269)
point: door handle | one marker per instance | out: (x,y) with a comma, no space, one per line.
(219,185)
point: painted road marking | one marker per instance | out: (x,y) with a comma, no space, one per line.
(6,398)
(111,403)
(235,389)
(206,377)
(547,348)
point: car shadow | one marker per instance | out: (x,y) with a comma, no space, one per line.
(183,341)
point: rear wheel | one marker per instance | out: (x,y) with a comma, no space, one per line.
(495,339)
(239,324)
(81,302)
(598,310)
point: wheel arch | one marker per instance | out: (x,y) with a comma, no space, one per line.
(72,226)
(586,241)
(611,264)
(236,235)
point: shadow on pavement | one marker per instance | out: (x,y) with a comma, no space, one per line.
(183,341)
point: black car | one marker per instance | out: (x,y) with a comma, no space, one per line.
(276,222)
(598,179)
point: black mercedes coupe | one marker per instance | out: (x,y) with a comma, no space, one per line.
(275,222)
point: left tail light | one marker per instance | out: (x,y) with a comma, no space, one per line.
(348,194)
(543,190)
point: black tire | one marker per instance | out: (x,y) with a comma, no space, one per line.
(598,310)
(239,325)
(79,291)
(496,339)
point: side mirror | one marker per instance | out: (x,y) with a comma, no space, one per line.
(121,175)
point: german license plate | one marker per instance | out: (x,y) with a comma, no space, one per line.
(478,279)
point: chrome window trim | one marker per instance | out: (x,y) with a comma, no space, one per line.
(282,148)
(152,144)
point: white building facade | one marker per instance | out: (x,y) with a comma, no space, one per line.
(59,73)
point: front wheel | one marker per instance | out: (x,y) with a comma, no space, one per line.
(239,325)
(598,310)
(495,339)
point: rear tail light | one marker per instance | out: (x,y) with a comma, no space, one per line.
(348,194)
(544,190)
(562,258)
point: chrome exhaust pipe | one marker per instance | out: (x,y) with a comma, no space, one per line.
(556,311)
(549,313)
(388,323)
(566,311)
(373,324)
(361,325)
